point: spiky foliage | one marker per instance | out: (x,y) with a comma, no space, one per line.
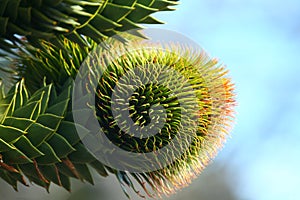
(98,19)
(36,122)
(36,139)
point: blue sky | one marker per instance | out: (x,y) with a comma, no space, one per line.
(259,41)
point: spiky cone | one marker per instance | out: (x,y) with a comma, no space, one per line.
(150,81)
(98,19)
(211,104)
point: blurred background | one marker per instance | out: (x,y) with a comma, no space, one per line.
(259,41)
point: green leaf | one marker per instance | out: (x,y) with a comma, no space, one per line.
(140,12)
(151,20)
(51,173)
(129,3)
(9,134)
(99,167)
(65,181)
(81,155)
(93,33)
(59,108)
(3,25)
(120,11)
(17,29)
(25,14)
(12,7)
(49,157)
(128,25)
(20,123)
(5,176)
(34,174)
(41,18)
(24,145)
(84,172)
(30,111)
(42,96)
(3,6)
(50,120)
(18,177)
(15,156)
(69,131)
(163,5)
(4,146)
(60,145)
(62,168)
(37,133)
(105,23)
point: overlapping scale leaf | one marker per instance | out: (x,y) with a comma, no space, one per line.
(38,141)
(44,18)
(98,19)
